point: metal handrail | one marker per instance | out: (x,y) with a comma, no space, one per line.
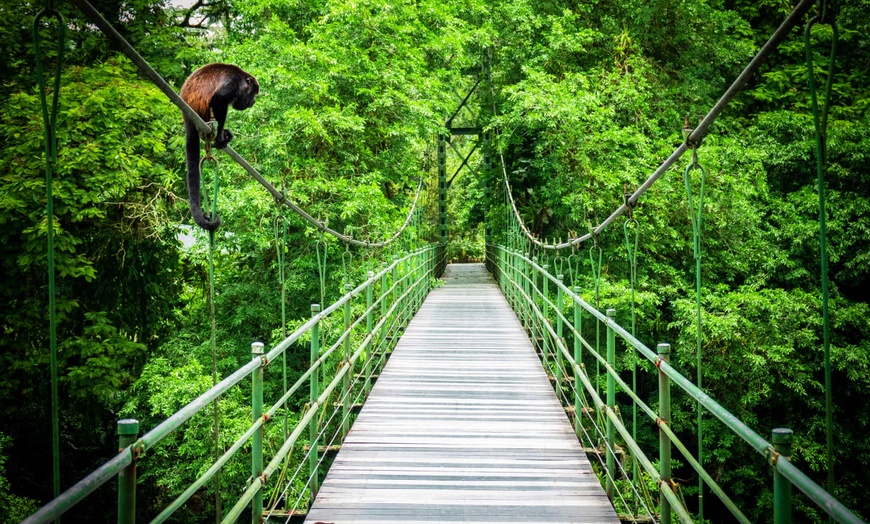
(409,279)
(517,274)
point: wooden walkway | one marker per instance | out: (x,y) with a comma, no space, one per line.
(462,426)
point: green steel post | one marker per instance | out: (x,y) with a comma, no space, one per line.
(406,310)
(128,432)
(382,337)
(664,351)
(442,188)
(781,440)
(521,276)
(545,314)
(369,323)
(257,438)
(394,297)
(578,358)
(557,358)
(345,403)
(315,392)
(611,401)
(517,271)
(532,293)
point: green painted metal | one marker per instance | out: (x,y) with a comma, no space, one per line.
(49,120)
(786,469)
(345,402)
(631,249)
(600,405)
(696,215)
(257,437)
(128,432)
(664,352)
(781,438)
(369,346)
(611,404)
(314,392)
(578,358)
(442,188)
(545,319)
(557,360)
(393,304)
(820,122)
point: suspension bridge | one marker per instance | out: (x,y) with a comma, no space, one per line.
(455,393)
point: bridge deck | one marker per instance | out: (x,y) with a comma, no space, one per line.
(462,426)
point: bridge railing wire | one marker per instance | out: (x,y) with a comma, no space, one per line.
(392,296)
(121,43)
(333,430)
(518,276)
(693,140)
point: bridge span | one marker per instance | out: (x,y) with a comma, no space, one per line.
(462,426)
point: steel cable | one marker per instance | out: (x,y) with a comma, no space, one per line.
(694,138)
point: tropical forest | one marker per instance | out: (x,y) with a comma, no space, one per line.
(660,159)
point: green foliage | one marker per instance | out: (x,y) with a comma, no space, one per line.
(13,508)
(588,99)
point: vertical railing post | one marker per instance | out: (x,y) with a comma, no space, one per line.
(533,295)
(257,438)
(511,272)
(406,309)
(442,188)
(578,358)
(394,278)
(664,351)
(611,402)
(313,458)
(781,439)
(545,314)
(369,334)
(557,357)
(346,383)
(128,432)
(382,336)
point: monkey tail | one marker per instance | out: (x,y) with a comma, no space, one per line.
(193,180)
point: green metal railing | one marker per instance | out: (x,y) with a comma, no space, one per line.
(392,297)
(529,288)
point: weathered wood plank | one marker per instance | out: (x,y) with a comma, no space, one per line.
(462,426)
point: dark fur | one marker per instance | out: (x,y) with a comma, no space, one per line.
(210,90)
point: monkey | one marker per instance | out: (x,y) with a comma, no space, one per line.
(209,91)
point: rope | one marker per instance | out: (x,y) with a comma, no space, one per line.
(696,214)
(49,119)
(820,123)
(695,138)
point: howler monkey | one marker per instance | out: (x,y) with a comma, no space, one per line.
(210,90)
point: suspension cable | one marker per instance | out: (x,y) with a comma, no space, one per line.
(820,122)
(49,119)
(695,138)
(631,249)
(214,371)
(696,215)
(281,252)
(97,19)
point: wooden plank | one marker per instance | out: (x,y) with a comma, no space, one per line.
(462,425)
